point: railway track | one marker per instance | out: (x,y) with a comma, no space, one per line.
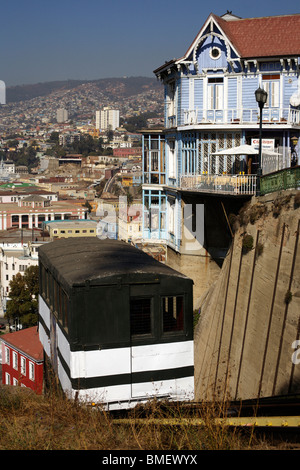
(272,413)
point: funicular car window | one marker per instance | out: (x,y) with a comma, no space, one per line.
(140,316)
(172,312)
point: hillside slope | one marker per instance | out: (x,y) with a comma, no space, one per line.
(122,87)
(244,341)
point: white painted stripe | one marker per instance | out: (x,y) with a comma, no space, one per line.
(103,362)
(179,389)
(63,345)
(162,356)
(44,312)
(117,361)
(45,341)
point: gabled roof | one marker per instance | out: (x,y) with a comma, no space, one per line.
(26,341)
(271,36)
(264,37)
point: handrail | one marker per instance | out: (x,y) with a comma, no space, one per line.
(221,184)
(288,178)
(241,116)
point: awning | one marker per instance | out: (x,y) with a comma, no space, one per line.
(240,150)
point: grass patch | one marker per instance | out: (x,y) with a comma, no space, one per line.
(280,202)
(32,422)
(256,212)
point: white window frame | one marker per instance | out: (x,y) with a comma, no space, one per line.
(172,158)
(171,99)
(15,360)
(215,94)
(272,87)
(31,370)
(171,215)
(23,365)
(7,355)
(7,378)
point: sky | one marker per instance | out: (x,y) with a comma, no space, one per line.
(92,39)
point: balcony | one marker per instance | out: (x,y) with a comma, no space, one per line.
(283,116)
(236,185)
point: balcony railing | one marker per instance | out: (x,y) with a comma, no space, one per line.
(241,116)
(221,184)
(288,178)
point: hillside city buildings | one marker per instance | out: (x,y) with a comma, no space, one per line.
(58,198)
(170,188)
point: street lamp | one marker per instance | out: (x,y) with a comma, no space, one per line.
(261,98)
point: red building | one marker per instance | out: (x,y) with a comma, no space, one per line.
(23,359)
(127,152)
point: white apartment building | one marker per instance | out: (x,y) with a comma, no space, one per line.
(7,168)
(15,258)
(107,119)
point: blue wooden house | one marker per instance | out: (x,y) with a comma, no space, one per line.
(209,144)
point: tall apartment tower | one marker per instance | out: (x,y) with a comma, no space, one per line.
(107,119)
(61,115)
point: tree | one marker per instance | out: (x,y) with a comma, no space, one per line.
(129,197)
(88,205)
(54,137)
(23,303)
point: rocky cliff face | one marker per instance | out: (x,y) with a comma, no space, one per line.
(247,338)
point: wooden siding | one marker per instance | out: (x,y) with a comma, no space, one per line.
(249,85)
(232,94)
(204,59)
(290,86)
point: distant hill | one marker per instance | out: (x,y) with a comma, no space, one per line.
(122,87)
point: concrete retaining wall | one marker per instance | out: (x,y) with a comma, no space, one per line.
(246,333)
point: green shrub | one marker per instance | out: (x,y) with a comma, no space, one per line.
(247,243)
(297,200)
(288,297)
(196,316)
(257,211)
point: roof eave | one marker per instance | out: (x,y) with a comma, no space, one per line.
(215,18)
(165,67)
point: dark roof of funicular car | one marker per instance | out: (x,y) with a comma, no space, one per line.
(77,261)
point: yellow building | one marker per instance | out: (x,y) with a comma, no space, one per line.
(71,228)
